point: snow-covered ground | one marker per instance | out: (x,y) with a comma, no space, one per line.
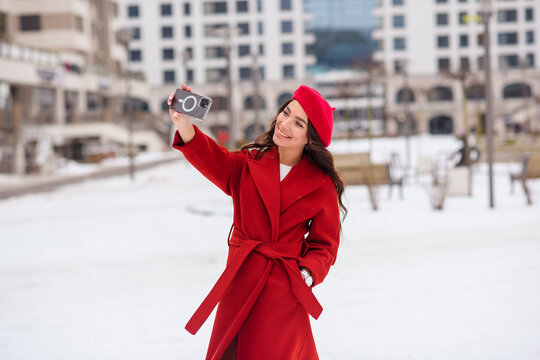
(110,269)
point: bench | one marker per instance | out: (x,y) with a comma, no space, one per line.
(357,169)
(530,170)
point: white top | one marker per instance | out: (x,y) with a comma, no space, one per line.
(283,171)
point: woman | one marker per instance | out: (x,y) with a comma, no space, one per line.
(287,198)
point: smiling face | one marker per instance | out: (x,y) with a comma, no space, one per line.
(291,127)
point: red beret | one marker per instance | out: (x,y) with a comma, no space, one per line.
(318,111)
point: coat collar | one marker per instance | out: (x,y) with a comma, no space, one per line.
(303,179)
(278,196)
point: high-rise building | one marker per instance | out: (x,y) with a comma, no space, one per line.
(426,46)
(63,81)
(195,41)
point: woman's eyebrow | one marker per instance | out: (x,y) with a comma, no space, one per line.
(298,117)
(302,120)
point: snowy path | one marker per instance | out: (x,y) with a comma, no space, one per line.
(113,270)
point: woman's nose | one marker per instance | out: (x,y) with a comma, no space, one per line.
(286,123)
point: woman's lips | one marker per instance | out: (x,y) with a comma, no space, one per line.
(280,133)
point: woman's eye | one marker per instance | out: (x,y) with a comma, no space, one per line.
(299,123)
(286,113)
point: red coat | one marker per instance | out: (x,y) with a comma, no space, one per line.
(262,296)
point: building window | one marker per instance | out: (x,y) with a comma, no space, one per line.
(529,14)
(288,71)
(243,50)
(187,31)
(480,39)
(211,30)
(243,28)
(399,44)
(136,33)
(217,7)
(443,42)
(166,10)
(505,16)
(168,54)
(260,28)
(440,93)
(398,21)
(249,102)
(529,36)
(516,90)
(397,2)
(188,53)
(399,66)
(169,77)
(441,1)
(480,63)
(241,6)
(166,32)
(463,41)
(187,8)
(133,11)
(286,5)
(442,19)
(462,17)
(530,60)
(464,64)
(259,6)
(93,101)
(245,73)
(443,64)
(135,55)
(261,49)
(287,49)
(212,52)
(30,22)
(3,25)
(507,38)
(189,75)
(462,1)
(215,74)
(508,61)
(286,27)
(79,24)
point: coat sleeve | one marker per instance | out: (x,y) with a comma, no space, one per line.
(323,238)
(214,161)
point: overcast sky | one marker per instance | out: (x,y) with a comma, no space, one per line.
(341,14)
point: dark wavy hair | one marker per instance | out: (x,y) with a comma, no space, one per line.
(314,149)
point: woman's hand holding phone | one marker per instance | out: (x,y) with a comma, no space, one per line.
(181,121)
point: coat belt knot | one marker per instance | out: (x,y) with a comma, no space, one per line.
(284,253)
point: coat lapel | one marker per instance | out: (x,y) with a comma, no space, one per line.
(265,173)
(301,180)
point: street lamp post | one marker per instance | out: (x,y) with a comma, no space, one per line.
(256,89)
(227,33)
(486,13)
(406,118)
(124,37)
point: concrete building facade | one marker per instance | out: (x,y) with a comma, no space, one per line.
(194,42)
(433,55)
(63,81)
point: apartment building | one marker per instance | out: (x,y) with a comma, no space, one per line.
(63,81)
(195,41)
(433,56)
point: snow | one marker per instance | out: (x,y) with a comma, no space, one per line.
(113,269)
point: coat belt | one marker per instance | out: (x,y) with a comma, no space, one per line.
(286,253)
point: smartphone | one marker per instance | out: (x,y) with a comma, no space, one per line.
(191,104)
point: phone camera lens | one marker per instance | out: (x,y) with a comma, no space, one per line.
(204,103)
